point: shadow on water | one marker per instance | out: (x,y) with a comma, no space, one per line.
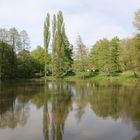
(59,100)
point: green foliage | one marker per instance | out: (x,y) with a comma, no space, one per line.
(110,57)
(38,55)
(136,51)
(131,54)
(100,55)
(106,55)
(5,60)
(81,59)
(61,48)
(115,55)
(68,60)
(25,64)
(86,74)
(12,42)
(46,40)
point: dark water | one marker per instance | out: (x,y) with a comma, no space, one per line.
(69,111)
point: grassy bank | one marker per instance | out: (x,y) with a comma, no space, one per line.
(102,77)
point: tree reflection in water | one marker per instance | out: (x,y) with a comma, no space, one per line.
(58,99)
(113,100)
(14,104)
(57,103)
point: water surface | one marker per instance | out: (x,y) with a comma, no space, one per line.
(69,111)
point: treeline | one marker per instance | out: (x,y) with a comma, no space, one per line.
(15,58)
(58,56)
(109,56)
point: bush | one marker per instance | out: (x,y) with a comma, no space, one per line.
(69,73)
(86,74)
(38,75)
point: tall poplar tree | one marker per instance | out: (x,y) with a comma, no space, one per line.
(54,52)
(61,48)
(46,40)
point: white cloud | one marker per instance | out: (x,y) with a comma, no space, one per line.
(93,19)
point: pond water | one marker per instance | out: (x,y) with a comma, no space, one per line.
(35,110)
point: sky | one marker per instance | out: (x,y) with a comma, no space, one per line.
(92,19)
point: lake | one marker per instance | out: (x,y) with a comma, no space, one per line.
(60,110)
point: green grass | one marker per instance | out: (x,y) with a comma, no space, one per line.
(82,75)
(102,77)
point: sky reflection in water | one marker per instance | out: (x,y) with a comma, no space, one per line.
(69,111)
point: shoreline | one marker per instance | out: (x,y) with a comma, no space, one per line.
(88,77)
(122,79)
